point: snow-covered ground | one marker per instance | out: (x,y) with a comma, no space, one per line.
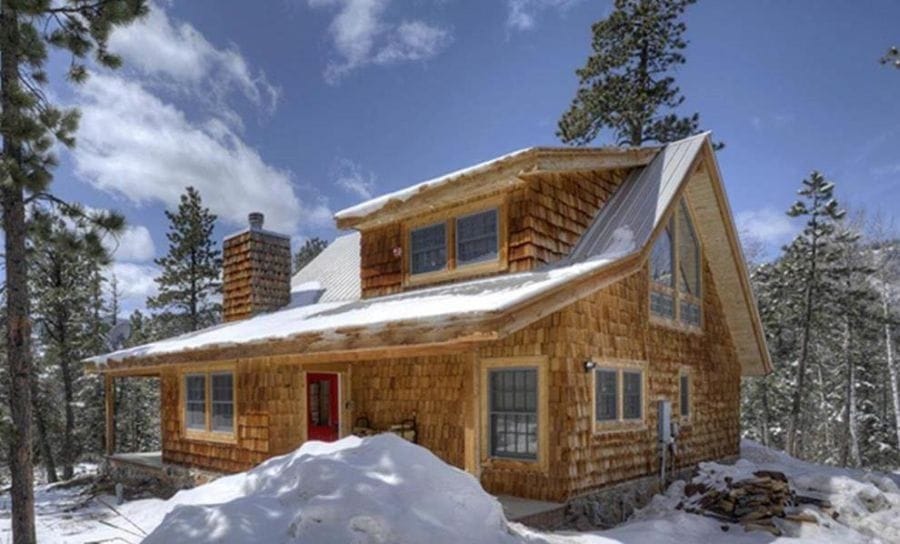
(383,489)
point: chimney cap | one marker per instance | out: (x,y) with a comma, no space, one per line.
(256,220)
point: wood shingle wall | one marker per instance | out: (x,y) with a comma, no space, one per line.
(547,215)
(437,391)
(269,417)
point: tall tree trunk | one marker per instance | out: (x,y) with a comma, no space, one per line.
(40,422)
(68,446)
(766,413)
(850,408)
(793,440)
(18,321)
(889,355)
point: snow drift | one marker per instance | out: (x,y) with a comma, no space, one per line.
(372,490)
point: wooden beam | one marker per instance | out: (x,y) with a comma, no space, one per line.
(109,397)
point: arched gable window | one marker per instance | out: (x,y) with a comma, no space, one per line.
(675,283)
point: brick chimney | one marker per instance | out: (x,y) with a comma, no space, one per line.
(256,271)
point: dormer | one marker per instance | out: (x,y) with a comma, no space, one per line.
(510,214)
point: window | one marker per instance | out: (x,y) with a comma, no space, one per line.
(513,417)
(675,269)
(428,249)
(476,238)
(684,394)
(607,395)
(223,402)
(632,395)
(459,242)
(195,401)
(209,403)
(619,395)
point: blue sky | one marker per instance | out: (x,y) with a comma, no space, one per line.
(304,107)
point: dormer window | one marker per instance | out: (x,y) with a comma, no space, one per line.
(460,242)
(477,237)
(428,249)
(675,284)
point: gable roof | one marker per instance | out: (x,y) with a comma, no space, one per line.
(616,245)
(332,276)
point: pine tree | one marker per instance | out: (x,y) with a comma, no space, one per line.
(65,265)
(307,252)
(190,281)
(626,85)
(29,124)
(822,213)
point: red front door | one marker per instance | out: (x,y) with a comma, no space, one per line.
(322,418)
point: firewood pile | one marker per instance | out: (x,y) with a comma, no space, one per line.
(753,503)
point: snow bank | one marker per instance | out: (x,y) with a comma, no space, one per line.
(377,489)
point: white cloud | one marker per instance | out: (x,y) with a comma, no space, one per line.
(522,14)
(135,282)
(135,244)
(350,177)
(134,144)
(177,54)
(767,225)
(361,36)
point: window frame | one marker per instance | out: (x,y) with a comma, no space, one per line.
(675,292)
(539,363)
(452,269)
(207,433)
(620,423)
(492,412)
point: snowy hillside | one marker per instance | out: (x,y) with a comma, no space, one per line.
(383,489)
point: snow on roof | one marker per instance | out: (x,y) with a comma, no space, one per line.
(435,304)
(334,273)
(375,204)
(621,229)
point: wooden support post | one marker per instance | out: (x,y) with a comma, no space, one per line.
(471,400)
(109,389)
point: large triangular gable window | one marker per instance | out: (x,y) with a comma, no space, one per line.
(675,282)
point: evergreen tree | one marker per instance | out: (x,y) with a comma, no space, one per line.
(307,252)
(65,265)
(814,253)
(626,85)
(190,283)
(29,124)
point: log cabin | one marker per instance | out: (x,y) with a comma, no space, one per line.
(530,320)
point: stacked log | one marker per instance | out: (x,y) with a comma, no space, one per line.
(752,502)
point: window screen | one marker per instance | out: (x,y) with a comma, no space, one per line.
(607,390)
(195,401)
(223,402)
(428,248)
(685,395)
(632,394)
(476,237)
(513,413)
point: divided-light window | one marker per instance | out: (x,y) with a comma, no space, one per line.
(618,395)
(675,284)
(455,243)
(513,413)
(209,403)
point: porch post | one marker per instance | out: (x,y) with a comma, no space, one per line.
(471,405)
(109,389)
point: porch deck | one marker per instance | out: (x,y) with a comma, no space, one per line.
(148,459)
